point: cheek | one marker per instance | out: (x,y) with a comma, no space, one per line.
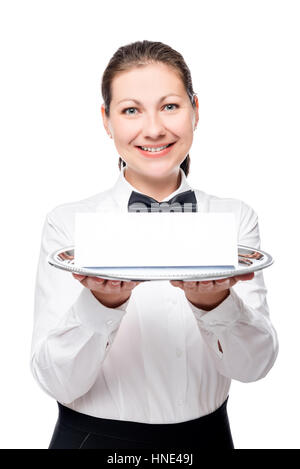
(182,125)
(124,131)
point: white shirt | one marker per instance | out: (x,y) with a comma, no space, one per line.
(163,363)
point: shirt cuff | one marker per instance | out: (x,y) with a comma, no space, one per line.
(225,314)
(95,315)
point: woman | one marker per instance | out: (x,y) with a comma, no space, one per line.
(147,364)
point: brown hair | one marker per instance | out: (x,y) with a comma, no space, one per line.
(141,53)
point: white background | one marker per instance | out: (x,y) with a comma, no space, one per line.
(244,60)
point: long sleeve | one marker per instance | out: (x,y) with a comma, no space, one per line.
(241,323)
(72,330)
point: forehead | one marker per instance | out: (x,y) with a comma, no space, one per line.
(146,82)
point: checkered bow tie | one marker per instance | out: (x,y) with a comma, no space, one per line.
(183,202)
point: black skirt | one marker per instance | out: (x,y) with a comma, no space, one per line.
(75,430)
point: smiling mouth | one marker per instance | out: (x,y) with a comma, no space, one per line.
(155,148)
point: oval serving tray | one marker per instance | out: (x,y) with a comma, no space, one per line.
(250,260)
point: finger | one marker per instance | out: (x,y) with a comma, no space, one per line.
(94,283)
(129,285)
(190,285)
(98,280)
(113,285)
(222,284)
(121,285)
(221,280)
(78,277)
(177,283)
(200,286)
(103,286)
(205,285)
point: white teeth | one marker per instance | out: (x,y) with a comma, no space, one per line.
(154,149)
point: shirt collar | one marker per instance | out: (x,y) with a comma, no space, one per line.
(122,189)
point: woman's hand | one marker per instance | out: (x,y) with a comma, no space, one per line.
(210,293)
(111,293)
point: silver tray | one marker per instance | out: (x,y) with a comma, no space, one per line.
(249,260)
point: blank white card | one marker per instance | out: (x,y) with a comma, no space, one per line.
(131,239)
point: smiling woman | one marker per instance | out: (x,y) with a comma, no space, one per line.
(148,364)
(157,80)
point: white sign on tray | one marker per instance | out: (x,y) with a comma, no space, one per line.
(131,239)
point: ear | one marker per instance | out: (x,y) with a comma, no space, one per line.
(105,119)
(196,110)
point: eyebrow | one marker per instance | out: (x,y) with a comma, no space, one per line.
(138,102)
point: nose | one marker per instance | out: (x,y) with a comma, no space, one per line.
(153,127)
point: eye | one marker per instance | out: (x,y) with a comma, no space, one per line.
(172,105)
(132,114)
(127,109)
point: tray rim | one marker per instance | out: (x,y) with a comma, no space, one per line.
(51,259)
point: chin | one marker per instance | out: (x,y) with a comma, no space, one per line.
(162,170)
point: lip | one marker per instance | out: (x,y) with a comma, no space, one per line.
(156,154)
(157,145)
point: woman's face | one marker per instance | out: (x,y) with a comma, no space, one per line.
(153,121)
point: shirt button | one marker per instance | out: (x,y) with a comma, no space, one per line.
(110,321)
(178,352)
(180,402)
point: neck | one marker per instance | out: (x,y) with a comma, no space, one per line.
(158,189)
